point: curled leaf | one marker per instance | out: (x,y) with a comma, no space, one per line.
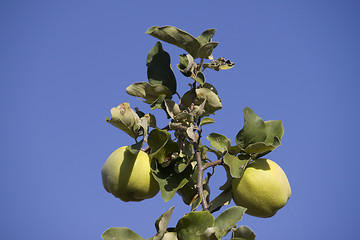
(219,64)
(124,118)
(161,145)
(213,102)
(162,223)
(243,233)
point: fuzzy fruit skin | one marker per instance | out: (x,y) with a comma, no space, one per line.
(129,177)
(263,189)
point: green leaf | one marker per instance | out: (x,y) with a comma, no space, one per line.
(190,131)
(144,123)
(184,117)
(162,223)
(169,180)
(181,163)
(205,50)
(206,36)
(237,164)
(147,91)
(152,121)
(228,219)
(211,87)
(274,132)
(161,145)
(224,198)
(120,233)
(258,136)
(243,233)
(172,108)
(193,224)
(200,78)
(124,118)
(219,142)
(206,121)
(159,102)
(259,147)
(177,37)
(159,69)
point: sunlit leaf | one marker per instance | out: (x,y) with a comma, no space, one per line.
(211,87)
(124,118)
(171,107)
(236,164)
(258,136)
(219,142)
(177,37)
(200,78)
(193,224)
(147,91)
(170,236)
(162,223)
(206,36)
(206,121)
(243,233)
(228,219)
(120,233)
(211,233)
(205,50)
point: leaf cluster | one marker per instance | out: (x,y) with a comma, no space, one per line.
(193,226)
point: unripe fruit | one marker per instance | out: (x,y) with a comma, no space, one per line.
(129,177)
(263,189)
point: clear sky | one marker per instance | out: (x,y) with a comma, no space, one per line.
(65,64)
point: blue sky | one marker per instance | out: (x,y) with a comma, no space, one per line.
(65,64)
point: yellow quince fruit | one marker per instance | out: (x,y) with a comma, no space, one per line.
(263,188)
(129,177)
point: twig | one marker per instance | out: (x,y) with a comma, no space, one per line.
(213,164)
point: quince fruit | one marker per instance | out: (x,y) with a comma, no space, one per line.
(263,189)
(129,176)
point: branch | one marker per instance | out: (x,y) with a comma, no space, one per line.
(213,164)
(199,183)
